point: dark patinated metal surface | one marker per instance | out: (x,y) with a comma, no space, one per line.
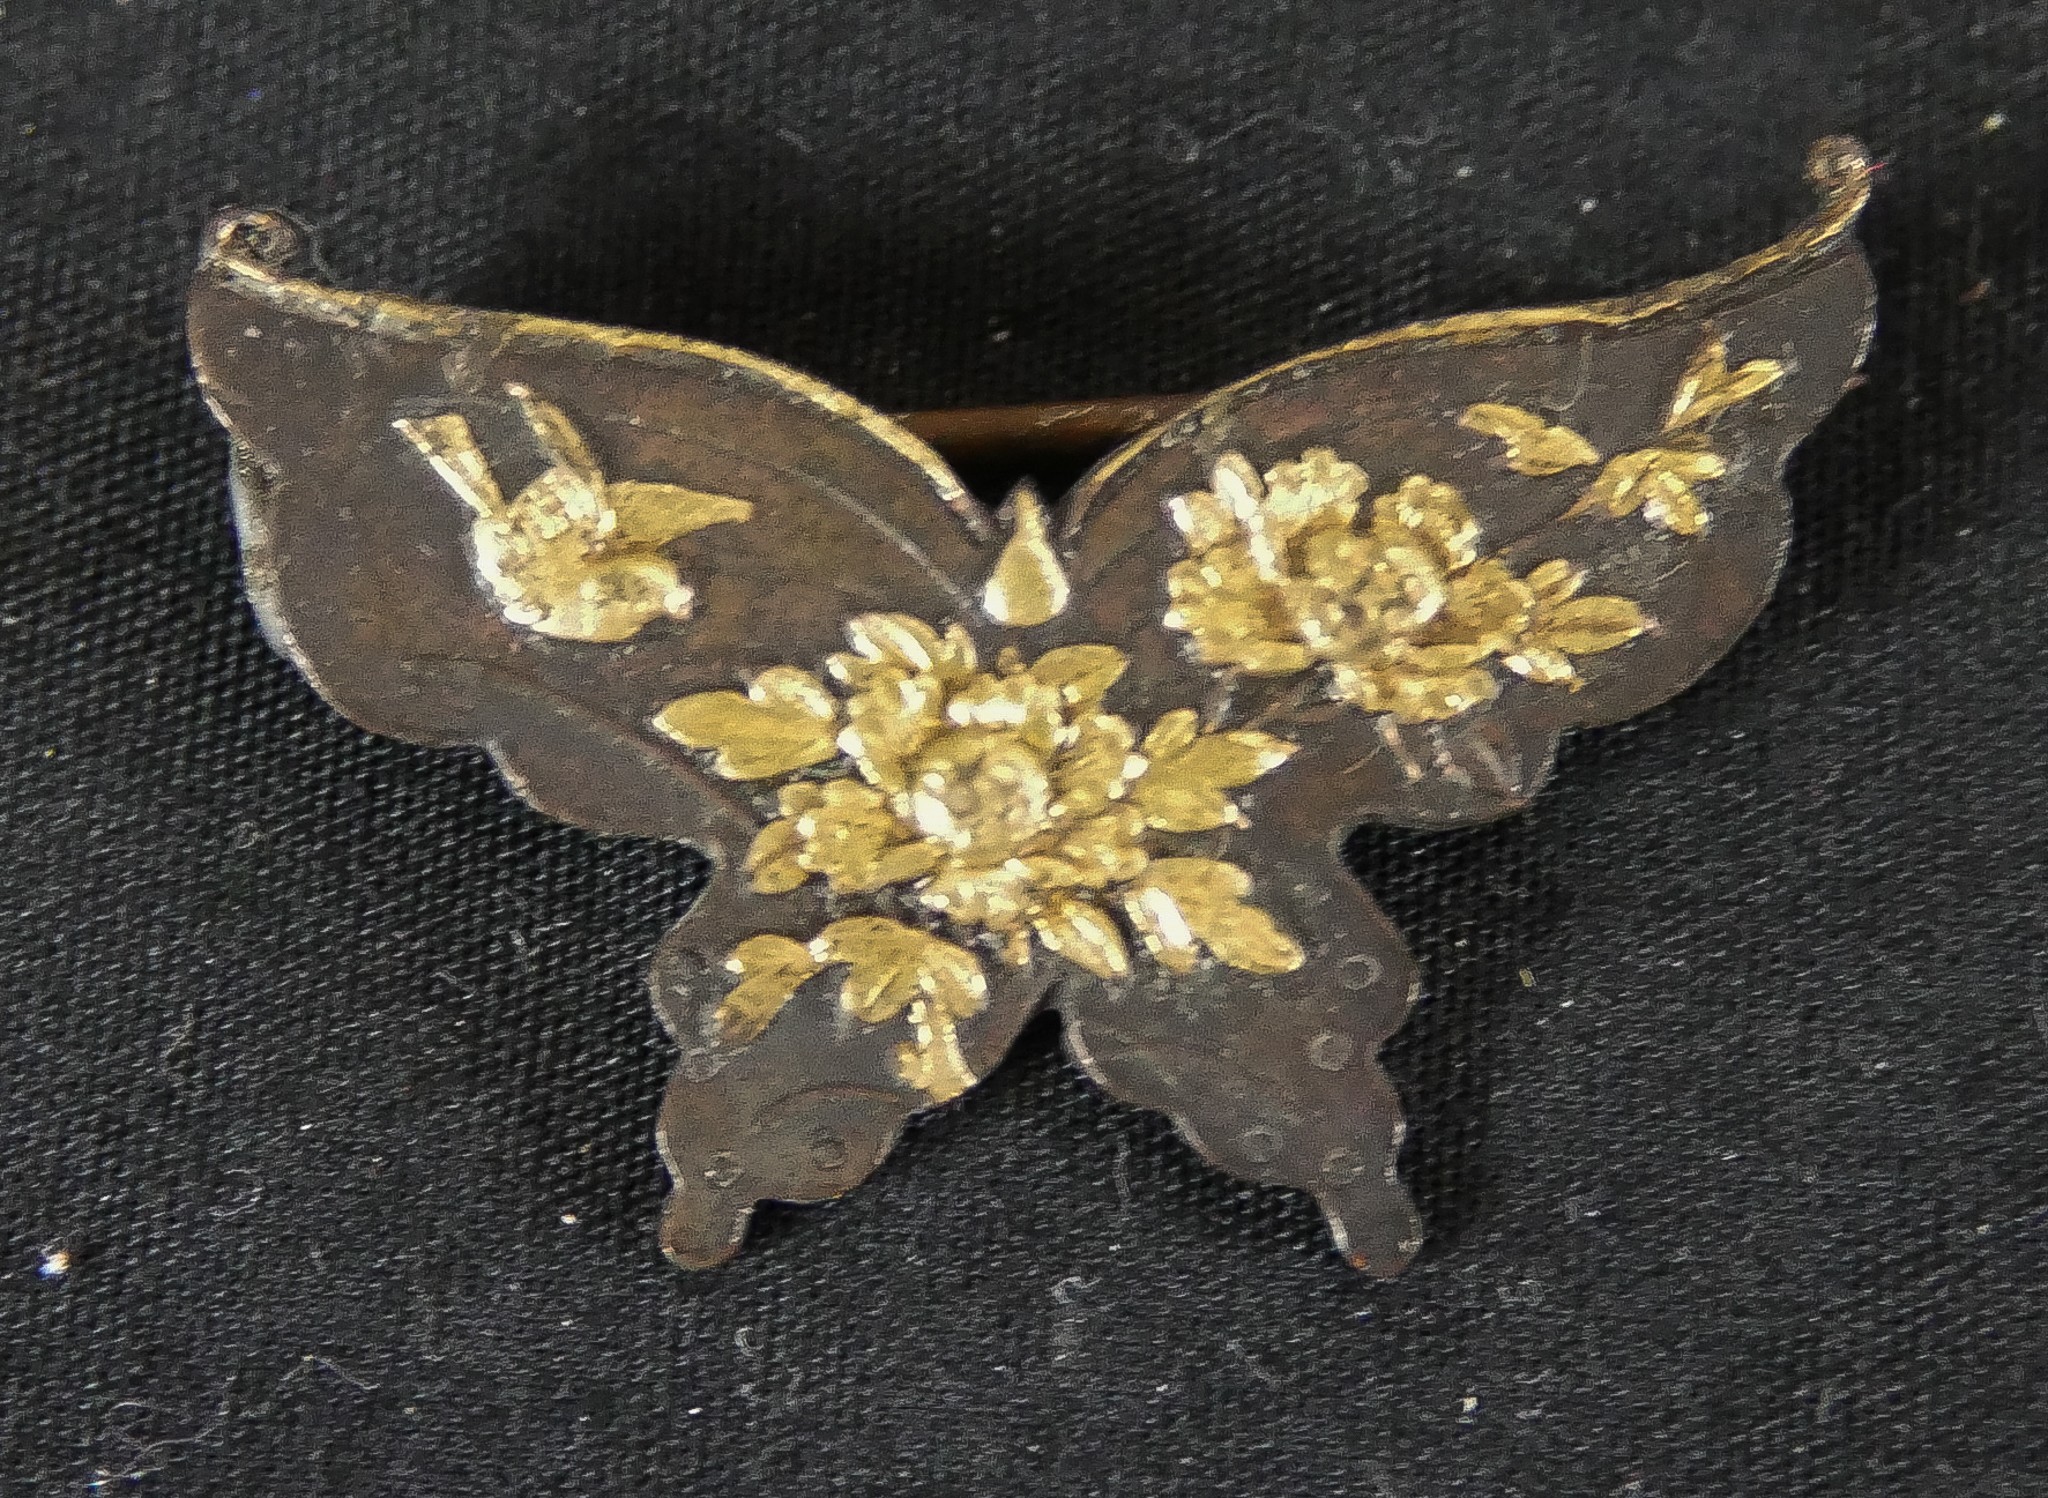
(435,601)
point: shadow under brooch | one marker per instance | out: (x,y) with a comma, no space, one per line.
(951,768)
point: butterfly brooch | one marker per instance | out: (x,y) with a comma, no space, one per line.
(953,766)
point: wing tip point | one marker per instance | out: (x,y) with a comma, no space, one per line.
(1389,1233)
(692,1237)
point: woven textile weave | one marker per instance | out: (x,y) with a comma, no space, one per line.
(326,1070)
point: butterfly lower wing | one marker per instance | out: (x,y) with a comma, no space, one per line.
(1419,558)
(812,1102)
(1274,1076)
(539,537)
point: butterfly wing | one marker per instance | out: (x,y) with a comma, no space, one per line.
(1421,556)
(533,536)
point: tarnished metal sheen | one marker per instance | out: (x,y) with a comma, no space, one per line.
(951,765)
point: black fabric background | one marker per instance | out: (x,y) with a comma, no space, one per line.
(328,1064)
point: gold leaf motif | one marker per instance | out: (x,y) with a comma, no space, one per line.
(1173,733)
(1029,585)
(1096,768)
(1534,446)
(1586,626)
(1107,849)
(1562,625)
(1187,772)
(892,967)
(1083,933)
(1674,507)
(786,720)
(1709,387)
(931,1060)
(1180,905)
(884,961)
(770,970)
(572,556)
(772,859)
(1657,481)
(1555,581)
(1549,585)
(1081,674)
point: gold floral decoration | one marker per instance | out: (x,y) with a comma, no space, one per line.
(574,555)
(1393,599)
(1002,802)
(1533,446)
(1658,480)
(891,969)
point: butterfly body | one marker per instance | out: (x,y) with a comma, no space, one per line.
(1099,756)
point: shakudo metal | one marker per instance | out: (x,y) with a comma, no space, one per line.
(950,768)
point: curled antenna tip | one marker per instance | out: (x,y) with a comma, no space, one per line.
(1838,164)
(254,236)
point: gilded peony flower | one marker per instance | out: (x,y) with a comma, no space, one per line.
(1004,803)
(1293,570)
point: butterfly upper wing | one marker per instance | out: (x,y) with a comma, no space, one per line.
(1589,498)
(415,487)
(1397,404)
(358,550)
